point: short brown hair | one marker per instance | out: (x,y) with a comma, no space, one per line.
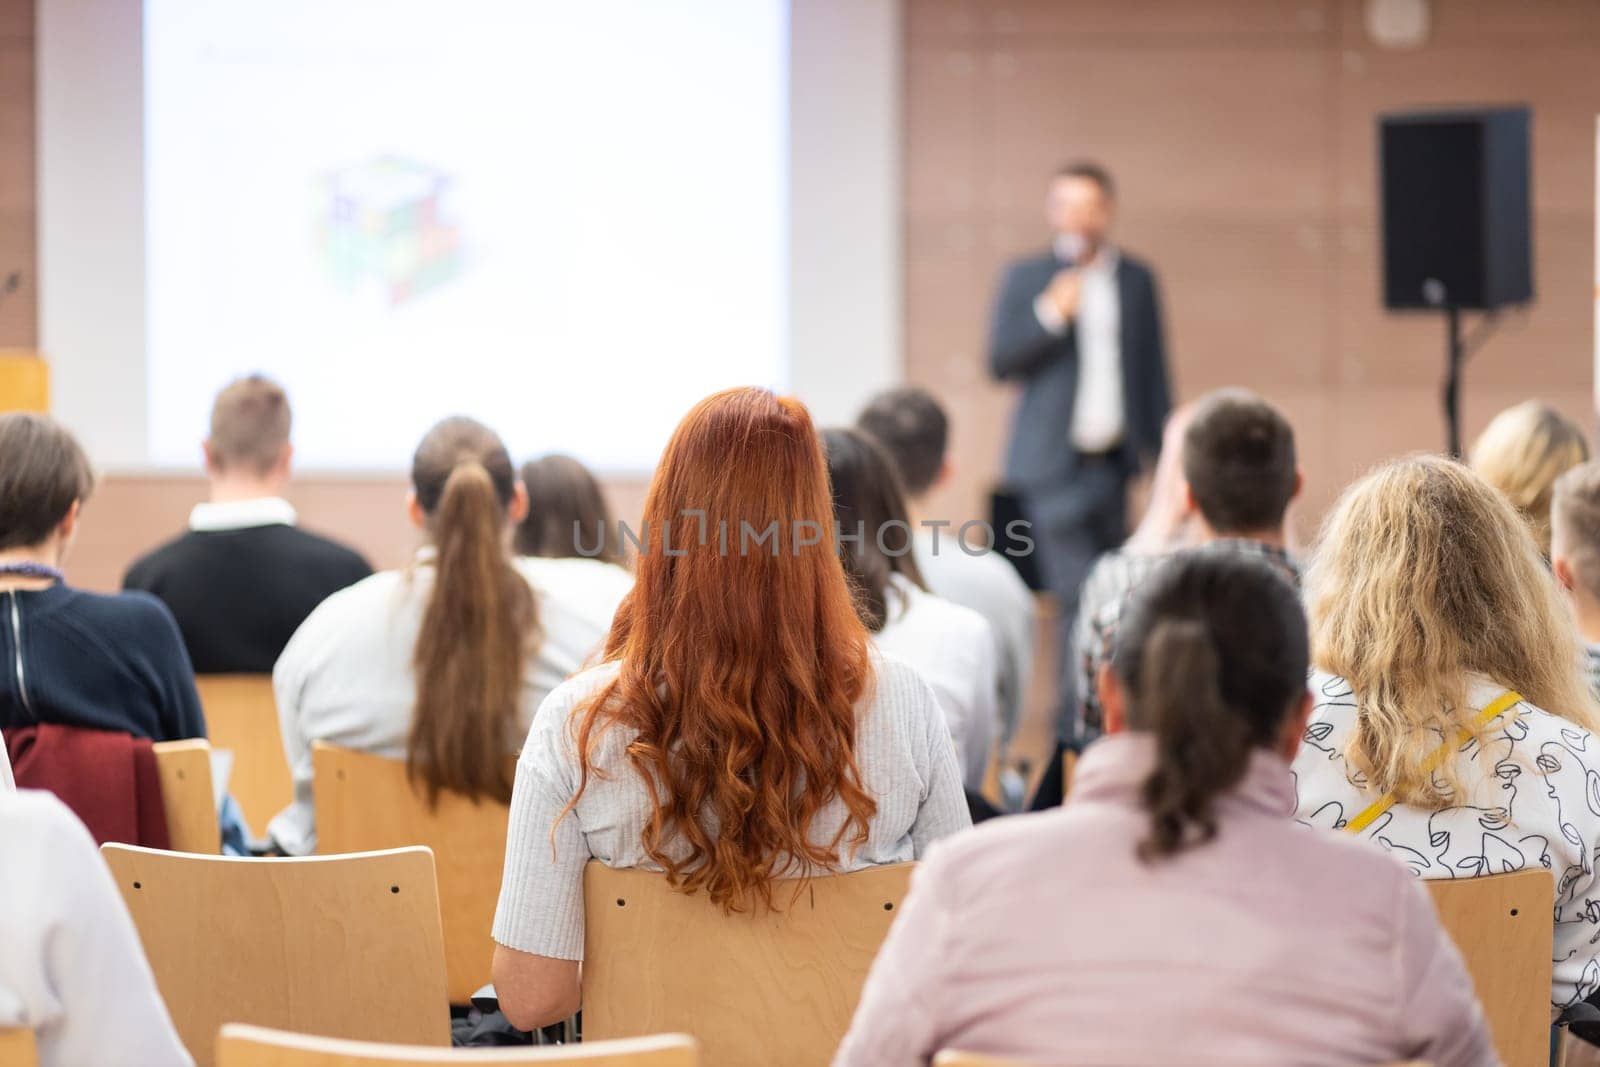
(1575,523)
(1239,461)
(43,472)
(911,426)
(1090,171)
(249,424)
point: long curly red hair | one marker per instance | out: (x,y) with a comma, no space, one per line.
(742,658)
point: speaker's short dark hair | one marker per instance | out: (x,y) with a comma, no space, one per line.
(912,427)
(1092,171)
(1239,461)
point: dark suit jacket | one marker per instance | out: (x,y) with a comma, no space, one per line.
(1021,350)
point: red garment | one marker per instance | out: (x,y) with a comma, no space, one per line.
(108,779)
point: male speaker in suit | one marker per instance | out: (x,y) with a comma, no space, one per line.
(1079,328)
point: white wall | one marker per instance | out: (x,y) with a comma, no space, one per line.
(845,315)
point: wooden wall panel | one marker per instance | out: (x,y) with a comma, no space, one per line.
(18,251)
(1242,135)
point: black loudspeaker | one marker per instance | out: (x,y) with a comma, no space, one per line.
(1456,202)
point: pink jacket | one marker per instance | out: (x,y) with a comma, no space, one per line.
(1045,938)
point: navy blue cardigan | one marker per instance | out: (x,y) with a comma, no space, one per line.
(105,662)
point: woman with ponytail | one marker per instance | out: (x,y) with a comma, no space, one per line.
(441,664)
(1172,912)
(741,731)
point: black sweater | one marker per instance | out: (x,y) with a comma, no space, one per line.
(105,662)
(239,595)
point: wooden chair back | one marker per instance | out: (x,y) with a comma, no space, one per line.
(253,1046)
(242,717)
(775,988)
(184,768)
(17,1047)
(366,802)
(341,946)
(1501,924)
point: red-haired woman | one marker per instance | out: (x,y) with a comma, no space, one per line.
(740,729)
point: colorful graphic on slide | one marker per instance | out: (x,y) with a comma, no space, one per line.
(388,223)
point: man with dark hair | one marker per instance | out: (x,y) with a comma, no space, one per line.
(1078,327)
(244,577)
(913,429)
(1240,474)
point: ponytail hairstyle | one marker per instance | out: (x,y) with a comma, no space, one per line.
(481,622)
(1212,655)
(869,508)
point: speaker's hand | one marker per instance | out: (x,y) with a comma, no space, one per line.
(1063,291)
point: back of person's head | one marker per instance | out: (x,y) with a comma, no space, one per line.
(869,509)
(741,656)
(1211,655)
(1575,529)
(567,513)
(1521,453)
(1425,576)
(912,427)
(250,423)
(481,620)
(43,473)
(1239,462)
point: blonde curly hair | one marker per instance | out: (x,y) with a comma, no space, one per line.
(1522,452)
(1424,575)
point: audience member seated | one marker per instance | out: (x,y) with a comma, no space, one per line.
(71,966)
(741,728)
(74,658)
(1437,634)
(244,577)
(1168,914)
(1522,452)
(1240,475)
(949,645)
(442,663)
(567,544)
(912,427)
(1575,556)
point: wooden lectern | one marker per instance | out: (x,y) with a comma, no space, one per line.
(24,380)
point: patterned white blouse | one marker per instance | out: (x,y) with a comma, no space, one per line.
(1532,797)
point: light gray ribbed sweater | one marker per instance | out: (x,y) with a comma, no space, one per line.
(903,749)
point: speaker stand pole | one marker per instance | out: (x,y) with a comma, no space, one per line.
(1452,380)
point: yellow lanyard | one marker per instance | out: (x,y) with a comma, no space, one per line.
(1483,718)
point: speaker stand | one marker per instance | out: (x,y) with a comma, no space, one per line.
(1457,349)
(1455,355)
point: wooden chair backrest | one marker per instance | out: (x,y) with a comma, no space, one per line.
(187,795)
(951,1058)
(341,946)
(775,988)
(254,1046)
(365,802)
(1501,923)
(242,717)
(17,1047)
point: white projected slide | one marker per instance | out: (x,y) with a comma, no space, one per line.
(567,219)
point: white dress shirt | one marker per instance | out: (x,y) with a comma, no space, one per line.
(988,584)
(71,966)
(1098,416)
(346,676)
(952,649)
(1526,802)
(242,514)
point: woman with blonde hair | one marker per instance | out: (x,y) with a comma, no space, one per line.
(1452,724)
(742,729)
(1522,452)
